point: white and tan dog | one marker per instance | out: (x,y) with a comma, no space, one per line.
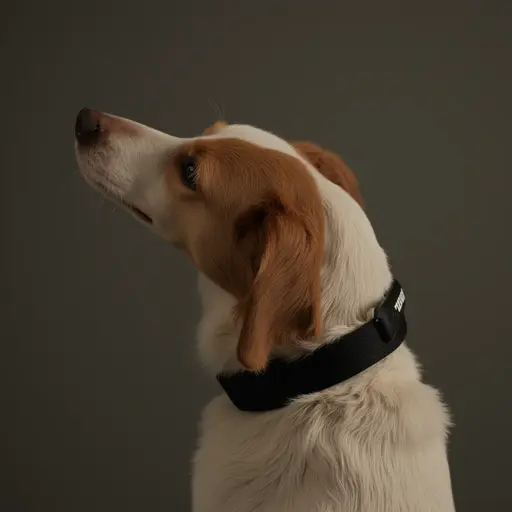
(287,262)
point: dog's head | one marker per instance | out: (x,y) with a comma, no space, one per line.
(248,208)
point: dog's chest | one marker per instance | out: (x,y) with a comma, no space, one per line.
(251,463)
(338,457)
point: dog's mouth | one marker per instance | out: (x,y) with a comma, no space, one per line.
(115,197)
(144,217)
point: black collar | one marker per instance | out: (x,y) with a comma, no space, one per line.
(331,364)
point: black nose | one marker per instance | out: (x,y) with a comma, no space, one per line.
(87,126)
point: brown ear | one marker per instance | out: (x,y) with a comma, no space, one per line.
(332,167)
(284,301)
(215,127)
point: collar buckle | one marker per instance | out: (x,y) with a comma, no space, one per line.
(389,315)
(386,326)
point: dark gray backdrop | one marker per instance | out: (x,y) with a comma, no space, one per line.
(104,389)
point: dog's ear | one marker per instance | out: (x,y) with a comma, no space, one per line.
(284,300)
(215,127)
(332,167)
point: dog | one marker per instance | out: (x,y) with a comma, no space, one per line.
(290,274)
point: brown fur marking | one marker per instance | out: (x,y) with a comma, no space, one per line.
(332,167)
(215,127)
(255,226)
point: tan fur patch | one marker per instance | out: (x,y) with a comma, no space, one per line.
(255,226)
(215,127)
(332,167)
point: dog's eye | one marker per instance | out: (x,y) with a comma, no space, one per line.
(188,172)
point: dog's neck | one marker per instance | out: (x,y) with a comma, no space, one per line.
(355,277)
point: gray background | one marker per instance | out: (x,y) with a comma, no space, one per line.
(103,386)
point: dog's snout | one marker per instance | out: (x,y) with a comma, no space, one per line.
(88,126)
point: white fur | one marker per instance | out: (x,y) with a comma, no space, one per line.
(376,443)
